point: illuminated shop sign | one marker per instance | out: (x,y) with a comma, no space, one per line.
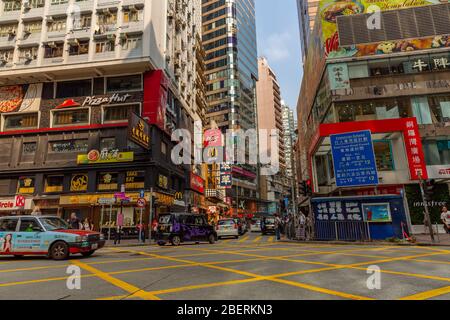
(105,156)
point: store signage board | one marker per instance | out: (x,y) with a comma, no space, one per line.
(106,201)
(354,159)
(105,156)
(139,131)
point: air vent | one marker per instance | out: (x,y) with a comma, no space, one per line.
(420,22)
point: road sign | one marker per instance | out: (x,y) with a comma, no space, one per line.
(106,201)
(20,201)
(354,159)
(142,194)
(141,203)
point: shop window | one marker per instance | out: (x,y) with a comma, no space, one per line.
(379,67)
(29,148)
(71,117)
(107,181)
(54,184)
(398,65)
(99,86)
(440,108)
(79,182)
(421,110)
(383,155)
(124,83)
(20,121)
(54,50)
(26,185)
(135,180)
(119,113)
(69,146)
(82,47)
(108,143)
(358,70)
(77,88)
(437,152)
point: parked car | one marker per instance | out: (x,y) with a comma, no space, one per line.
(255,225)
(268,225)
(227,228)
(45,235)
(178,228)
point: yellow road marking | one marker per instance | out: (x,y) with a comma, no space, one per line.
(135,291)
(9,284)
(113,298)
(271,239)
(428,294)
(244,239)
(257,239)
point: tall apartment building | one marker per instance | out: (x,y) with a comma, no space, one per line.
(229,40)
(289,137)
(307,11)
(270,118)
(71,73)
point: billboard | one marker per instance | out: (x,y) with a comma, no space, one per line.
(139,131)
(155,98)
(330,10)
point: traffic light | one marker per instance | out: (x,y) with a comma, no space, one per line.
(309,190)
(430,187)
(303,188)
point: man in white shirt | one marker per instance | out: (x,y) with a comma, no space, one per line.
(445,217)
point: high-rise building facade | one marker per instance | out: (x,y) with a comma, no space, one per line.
(270,118)
(307,11)
(289,137)
(72,73)
(229,40)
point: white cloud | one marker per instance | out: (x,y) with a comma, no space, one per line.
(277,46)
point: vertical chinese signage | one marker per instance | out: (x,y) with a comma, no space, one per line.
(338,75)
(354,159)
(225,177)
(139,131)
(414,151)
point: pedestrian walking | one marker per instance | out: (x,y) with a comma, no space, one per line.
(445,218)
(302,226)
(426,224)
(87,225)
(278,227)
(119,225)
(74,222)
(141,231)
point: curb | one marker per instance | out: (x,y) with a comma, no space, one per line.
(373,243)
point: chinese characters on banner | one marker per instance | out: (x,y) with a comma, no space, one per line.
(226,177)
(414,151)
(354,159)
(338,211)
(338,75)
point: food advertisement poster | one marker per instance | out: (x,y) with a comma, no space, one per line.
(20,98)
(330,10)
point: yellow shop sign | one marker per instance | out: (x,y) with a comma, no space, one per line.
(105,156)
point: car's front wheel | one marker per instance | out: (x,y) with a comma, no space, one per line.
(211,239)
(59,251)
(88,254)
(176,241)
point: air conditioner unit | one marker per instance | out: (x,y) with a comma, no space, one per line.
(111,37)
(28,56)
(51,44)
(12,32)
(26,31)
(26,5)
(3,60)
(123,36)
(107,11)
(50,19)
(73,42)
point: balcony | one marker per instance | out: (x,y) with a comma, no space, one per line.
(105,56)
(81,33)
(10,16)
(78,58)
(31,38)
(8,42)
(133,53)
(26,63)
(108,3)
(56,35)
(137,3)
(53,60)
(84,6)
(133,27)
(33,13)
(58,9)
(103,31)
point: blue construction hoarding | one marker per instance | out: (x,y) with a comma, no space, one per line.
(354,159)
(359,218)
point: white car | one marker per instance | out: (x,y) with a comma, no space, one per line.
(255,225)
(227,228)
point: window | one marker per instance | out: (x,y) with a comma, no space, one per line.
(379,67)
(107,181)
(32,27)
(108,143)
(133,16)
(82,47)
(6,56)
(58,25)
(358,70)
(8,224)
(383,155)
(29,224)
(107,21)
(68,146)
(11,5)
(440,108)
(57,2)
(8,30)
(374,110)
(71,117)
(437,152)
(105,46)
(77,88)
(83,22)
(29,148)
(28,54)
(124,83)
(132,43)
(54,50)
(119,113)
(20,121)
(37,3)
(421,110)
(25,185)
(54,184)
(135,180)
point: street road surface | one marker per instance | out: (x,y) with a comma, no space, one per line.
(253,267)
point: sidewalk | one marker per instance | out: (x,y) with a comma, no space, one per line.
(128,243)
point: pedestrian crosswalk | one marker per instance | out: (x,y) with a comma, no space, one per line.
(251,238)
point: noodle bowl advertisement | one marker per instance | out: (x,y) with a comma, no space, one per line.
(330,10)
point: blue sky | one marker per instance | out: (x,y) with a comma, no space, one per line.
(278,41)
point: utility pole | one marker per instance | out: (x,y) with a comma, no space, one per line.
(425,206)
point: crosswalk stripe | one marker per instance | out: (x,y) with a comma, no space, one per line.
(271,239)
(257,239)
(244,239)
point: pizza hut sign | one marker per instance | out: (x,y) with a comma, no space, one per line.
(98,101)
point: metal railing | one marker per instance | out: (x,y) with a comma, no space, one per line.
(342,231)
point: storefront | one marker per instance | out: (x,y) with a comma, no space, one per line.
(16,205)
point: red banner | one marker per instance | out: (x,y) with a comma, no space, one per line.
(197,183)
(155,98)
